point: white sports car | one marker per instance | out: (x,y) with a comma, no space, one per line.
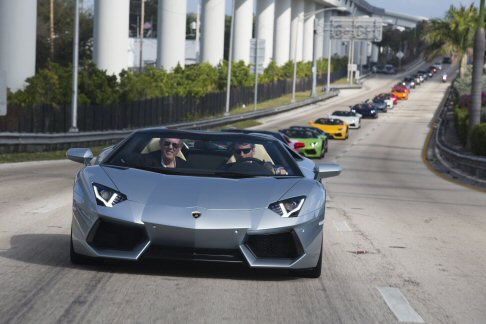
(351,118)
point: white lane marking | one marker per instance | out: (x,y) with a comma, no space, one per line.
(399,305)
(341,226)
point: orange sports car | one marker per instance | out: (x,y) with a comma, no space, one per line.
(400,93)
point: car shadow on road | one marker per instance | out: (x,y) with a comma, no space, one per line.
(53,250)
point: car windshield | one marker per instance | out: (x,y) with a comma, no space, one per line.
(329,121)
(299,133)
(342,113)
(208,154)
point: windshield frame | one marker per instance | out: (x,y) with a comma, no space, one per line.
(278,148)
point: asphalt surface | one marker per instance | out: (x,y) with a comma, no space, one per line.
(401,244)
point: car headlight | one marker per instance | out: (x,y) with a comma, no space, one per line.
(288,207)
(372,110)
(106,196)
(340,129)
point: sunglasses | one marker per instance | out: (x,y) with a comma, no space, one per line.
(174,145)
(244,151)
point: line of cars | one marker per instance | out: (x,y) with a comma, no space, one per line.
(311,141)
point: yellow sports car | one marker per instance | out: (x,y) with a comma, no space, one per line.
(336,128)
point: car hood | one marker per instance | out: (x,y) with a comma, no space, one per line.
(150,188)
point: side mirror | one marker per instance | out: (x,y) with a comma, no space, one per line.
(80,155)
(328,170)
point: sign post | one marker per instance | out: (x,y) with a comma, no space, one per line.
(355,28)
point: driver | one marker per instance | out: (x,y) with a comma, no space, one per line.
(245,152)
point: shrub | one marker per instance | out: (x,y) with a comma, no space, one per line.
(478,139)
(462,121)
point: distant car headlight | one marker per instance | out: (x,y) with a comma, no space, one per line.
(372,111)
(288,207)
(106,196)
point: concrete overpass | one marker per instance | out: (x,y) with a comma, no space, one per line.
(287,26)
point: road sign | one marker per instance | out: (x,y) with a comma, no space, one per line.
(357,28)
(400,55)
(257,54)
(3,93)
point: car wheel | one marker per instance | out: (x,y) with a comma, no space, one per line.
(312,272)
(323,151)
(79,259)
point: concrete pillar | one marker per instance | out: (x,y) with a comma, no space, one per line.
(243,30)
(327,33)
(297,30)
(374,53)
(212,31)
(18,30)
(320,32)
(171,33)
(265,12)
(308,43)
(364,53)
(281,49)
(110,49)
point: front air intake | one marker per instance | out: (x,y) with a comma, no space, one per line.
(110,235)
(275,246)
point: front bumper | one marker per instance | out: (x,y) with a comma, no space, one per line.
(271,242)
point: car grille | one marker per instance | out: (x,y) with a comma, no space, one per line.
(311,151)
(276,246)
(176,253)
(116,236)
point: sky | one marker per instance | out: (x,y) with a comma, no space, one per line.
(424,8)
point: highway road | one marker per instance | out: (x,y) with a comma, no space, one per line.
(401,244)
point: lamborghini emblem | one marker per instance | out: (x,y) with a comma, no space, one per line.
(196,214)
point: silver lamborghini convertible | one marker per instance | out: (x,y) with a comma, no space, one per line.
(199,195)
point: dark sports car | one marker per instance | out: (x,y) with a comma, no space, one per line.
(229,198)
(365,110)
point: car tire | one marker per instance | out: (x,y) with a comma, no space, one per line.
(79,259)
(311,272)
(323,151)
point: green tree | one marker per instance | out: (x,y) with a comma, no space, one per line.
(477,76)
(63,33)
(452,35)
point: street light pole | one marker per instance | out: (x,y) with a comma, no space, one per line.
(74,104)
(294,79)
(329,67)
(230,59)
(314,62)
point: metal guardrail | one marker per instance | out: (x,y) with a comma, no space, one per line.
(28,142)
(459,163)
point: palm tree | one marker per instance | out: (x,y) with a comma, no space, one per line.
(477,75)
(453,34)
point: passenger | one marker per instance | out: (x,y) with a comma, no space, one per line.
(167,156)
(169,148)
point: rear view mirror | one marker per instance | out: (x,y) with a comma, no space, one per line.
(328,170)
(80,155)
